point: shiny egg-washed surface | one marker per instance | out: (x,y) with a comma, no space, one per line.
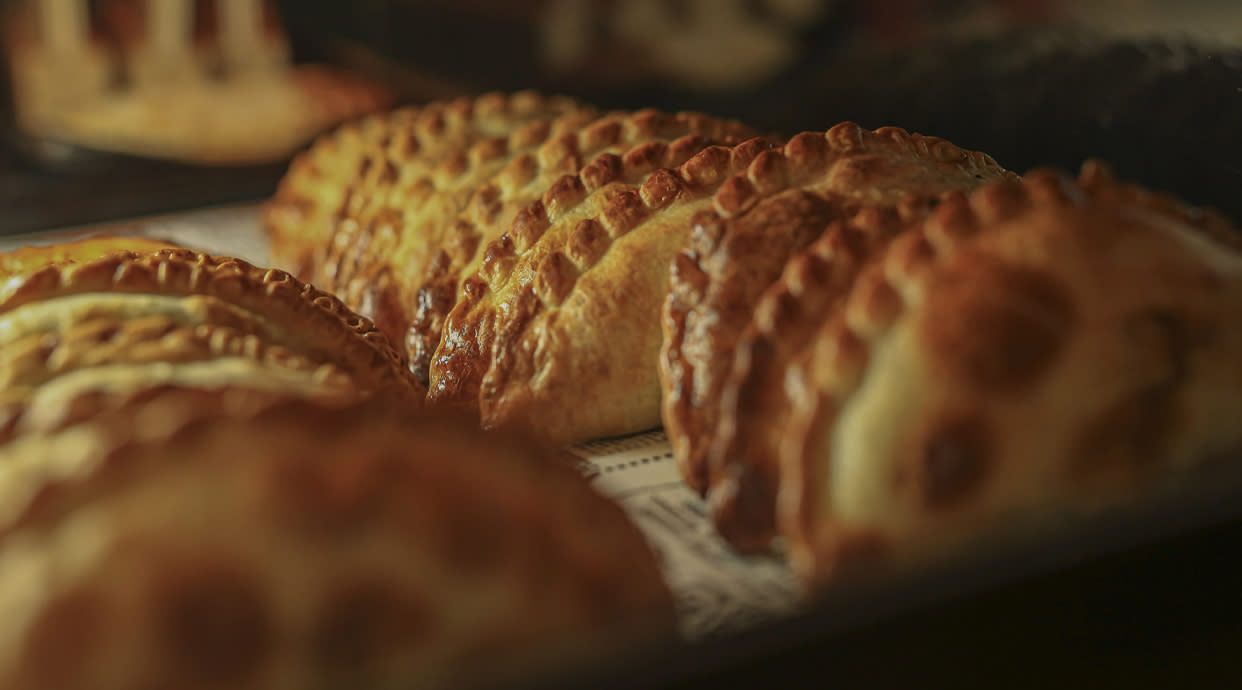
(232,539)
(732,257)
(1101,315)
(77,338)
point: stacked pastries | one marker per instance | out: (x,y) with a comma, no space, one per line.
(827,325)
(215,475)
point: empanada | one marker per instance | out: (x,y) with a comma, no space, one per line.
(215,539)
(1034,350)
(560,331)
(729,261)
(79,337)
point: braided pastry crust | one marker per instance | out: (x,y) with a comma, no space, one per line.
(224,539)
(732,258)
(77,338)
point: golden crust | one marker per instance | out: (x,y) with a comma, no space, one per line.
(559,330)
(544,174)
(1100,315)
(77,336)
(26,260)
(220,539)
(731,259)
(344,202)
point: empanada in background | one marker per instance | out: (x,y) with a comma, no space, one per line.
(251,540)
(78,338)
(1033,351)
(887,178)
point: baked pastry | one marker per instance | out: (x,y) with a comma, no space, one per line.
(26,260)
(216,539)
(533,176)
(730,259)
(345,200)
(1033,351)
(559,330)
(78,338)
(406,223)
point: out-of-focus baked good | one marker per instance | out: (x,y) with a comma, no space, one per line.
(224,539)
(559,330)
(732,258)
(1034,350)
(349,201)
(77,338)
(26,260)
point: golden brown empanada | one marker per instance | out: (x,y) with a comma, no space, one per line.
(560,331)
(223,539)
(730,260)
(26,260)
(355,185)
(533,176)
(77,338)
(1034,350)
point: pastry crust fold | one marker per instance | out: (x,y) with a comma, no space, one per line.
(77,338)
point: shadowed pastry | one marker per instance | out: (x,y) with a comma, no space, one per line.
(344,200)
(77,338)
(242,540)
(27,260)
(731,258)
(1034,351)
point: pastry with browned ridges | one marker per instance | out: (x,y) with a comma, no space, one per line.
(27,260)
(205,539)
(537,175)
(356,184)
(78,338)
(559,330)
(1035,352)
(732,257)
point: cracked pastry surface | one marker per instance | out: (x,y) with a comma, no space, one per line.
(1098,313)
(78,338)
(732,258)
(215,539)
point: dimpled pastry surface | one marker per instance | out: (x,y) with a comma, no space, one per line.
(732,257)
(77,338)
(205,539)
(1100,314)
